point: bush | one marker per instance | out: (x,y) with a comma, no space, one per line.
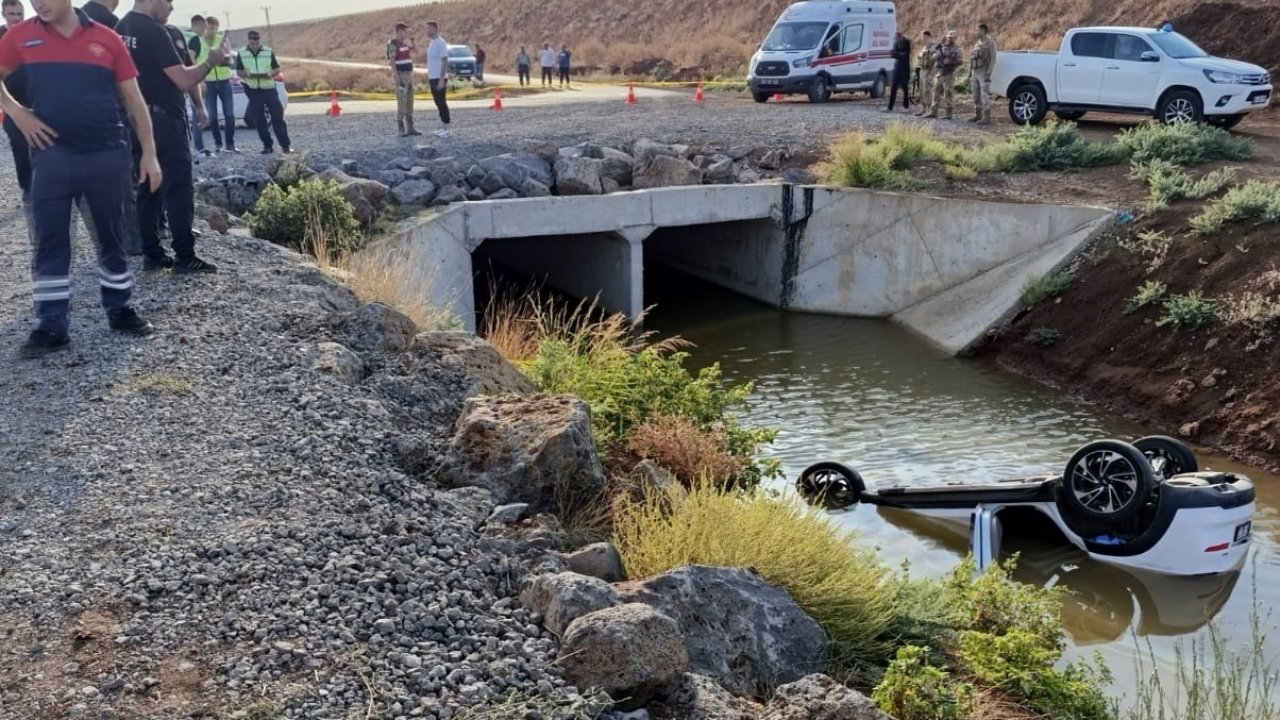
(689,452)
(800,549)
(913,689)
(1187,311)
(1254,200)
(309,217)
(1169,183)
(1150,244)
(1046,286)
(856,162)
(1052,146)
(1148,292)
(1044,336)
(1186,144)
(1020,664)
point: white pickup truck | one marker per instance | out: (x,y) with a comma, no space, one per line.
(1129,70)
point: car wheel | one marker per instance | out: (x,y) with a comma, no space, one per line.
(1181,107)
(1027,105)
(1168,456)
(1069,115)
(1226,122)
(819,89)
(877,88)
(760,97)
(830,484)
(1107,480)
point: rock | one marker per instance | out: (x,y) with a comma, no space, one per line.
(274,164)
(426,152)
(718,169)
(417,172)
(414,192)
(334,175)
(516,168)
(618,166)
(475,176)
(1209,381)
(579,176)
(564,597)
(448,195)
(748,176)
(818,697)
(1190,429)
(699,698)
(646,150)
(772,159)
(632,652)
(475,194)
(244,190)
(533,188)
(218,219)
(492,183)
(484,370)
(548,152)
(583,150)
(402,163)
(508,514)
(390,178)
(377,327)
(746,634)
(504,194)
(1213,343)
(534,449)
(339,361)
(665,171)
(599,560)
(350,167)
(444,172)
(212,192)
(368,197)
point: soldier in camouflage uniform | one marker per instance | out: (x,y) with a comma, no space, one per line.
(928,64)
(949,58)
(983,62)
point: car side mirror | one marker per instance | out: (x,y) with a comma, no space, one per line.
(1150,56)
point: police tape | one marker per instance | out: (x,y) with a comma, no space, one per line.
(478,89)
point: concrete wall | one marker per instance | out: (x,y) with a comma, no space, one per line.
(604,264)
(437,248)
(746,257)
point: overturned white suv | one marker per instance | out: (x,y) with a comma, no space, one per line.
(1129,70)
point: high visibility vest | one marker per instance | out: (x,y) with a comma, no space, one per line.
(254,64)
(220,72)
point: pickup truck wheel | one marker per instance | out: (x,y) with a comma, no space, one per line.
(819,89)
(1027,105)
(1181,106)
(1226,122)
(1069,115)
(760,97)
(877,88)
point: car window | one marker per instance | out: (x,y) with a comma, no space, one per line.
(1129,47)
(1177,46)
(1090,44)
(852,38)
(459,52)
(795,36)
(831,45)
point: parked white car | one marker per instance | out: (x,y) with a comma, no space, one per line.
(823,46)
(241,101)
(1130,70)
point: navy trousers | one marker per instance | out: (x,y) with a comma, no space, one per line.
(21,155)
(262,102)
(58,177)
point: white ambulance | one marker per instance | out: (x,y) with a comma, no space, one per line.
(819,47)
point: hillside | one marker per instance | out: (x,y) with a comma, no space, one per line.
(717,36)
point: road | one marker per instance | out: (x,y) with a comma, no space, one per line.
(580,93)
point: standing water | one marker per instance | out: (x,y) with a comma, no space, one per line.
(872,395)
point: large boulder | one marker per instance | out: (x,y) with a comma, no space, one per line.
(700,698)
(645,150)
(218,219)
(579,176)
(517,168)
(618,166)
(564,597)
(633,652)
(414,192)
(368,197)
(534,449)
(444,171)
(583,150)
(480,365)
(390,178)
(599,560)
(717,169)
(664,171)
(448,195)
(335,359)
(746,634)
(375,327)
(818,697)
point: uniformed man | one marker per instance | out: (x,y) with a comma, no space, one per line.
(103,11)
(400,54)
(217,87)
(163,80)
(257,66)
(983,62)
(949,59)
(927,63)
(14,13)
(81,147)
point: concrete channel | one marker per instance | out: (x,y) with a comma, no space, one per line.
(948,269)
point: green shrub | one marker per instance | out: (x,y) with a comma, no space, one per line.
(1020,664)
(845,589)
(311,216)
(856,162)
(913,689)
(1044,336)
(1148,292)
(1052,146)
(1254,200)
(1046,286)
(1169,183)
(1189,311)
(1186,144)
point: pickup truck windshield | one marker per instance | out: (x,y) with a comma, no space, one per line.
(459,52)
(794,36)
(1176,46)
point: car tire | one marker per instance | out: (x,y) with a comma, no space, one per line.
(1226,122)
(1180,107)
(877,88)
(1069,115)
(1107,480)
(760,97)
(819,89)
(1168,456)
(1027,104)
(830,484)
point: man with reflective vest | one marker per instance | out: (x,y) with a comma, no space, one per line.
(400,55)
(197,116)
(257,66)
(217,88)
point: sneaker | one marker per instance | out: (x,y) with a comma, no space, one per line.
(443,133)
(413,133)
(157,262)
(267,151)
(127,321)
(194,265)
(209,153)
(233,151)
(43,342)
(286,151)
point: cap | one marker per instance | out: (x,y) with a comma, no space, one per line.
(402,26)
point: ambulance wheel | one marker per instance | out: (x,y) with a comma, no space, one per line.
(1168,456)
(877,88)
(830,484)
(760,97)
(819,89)
(1107,480)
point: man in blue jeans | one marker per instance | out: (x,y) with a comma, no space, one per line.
(217,87)
(80,73)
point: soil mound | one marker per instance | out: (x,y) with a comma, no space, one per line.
(1236,31)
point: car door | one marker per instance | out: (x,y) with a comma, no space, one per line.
(1080,73)
(1129,80)
(852,58)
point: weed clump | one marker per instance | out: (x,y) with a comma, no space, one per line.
(1052,146)
(305,215)
(1185,144)
(1190,311)
(1170,183)
(1254,200)
(1149,292)
(1046,286)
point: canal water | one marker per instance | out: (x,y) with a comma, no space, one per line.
(874,396)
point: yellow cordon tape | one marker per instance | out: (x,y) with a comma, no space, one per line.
(303,94)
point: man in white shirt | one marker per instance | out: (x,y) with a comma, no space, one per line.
(438,74)
(548,63)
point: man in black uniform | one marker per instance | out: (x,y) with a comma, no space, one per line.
(102,11)
(901,72)
(16,83)
(163,79)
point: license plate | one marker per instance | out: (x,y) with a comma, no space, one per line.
(1243,531)
(768,81)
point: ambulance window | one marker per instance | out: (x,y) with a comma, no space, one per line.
(852,38)
(831,45)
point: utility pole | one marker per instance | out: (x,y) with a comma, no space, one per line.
(266,10)
(227,15)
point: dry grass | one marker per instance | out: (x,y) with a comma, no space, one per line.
(687,451)
(381,273)
(162,383)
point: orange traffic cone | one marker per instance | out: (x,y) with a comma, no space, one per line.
(497,98)
(631,94)
(334,108)
(698,97)
(777,97)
